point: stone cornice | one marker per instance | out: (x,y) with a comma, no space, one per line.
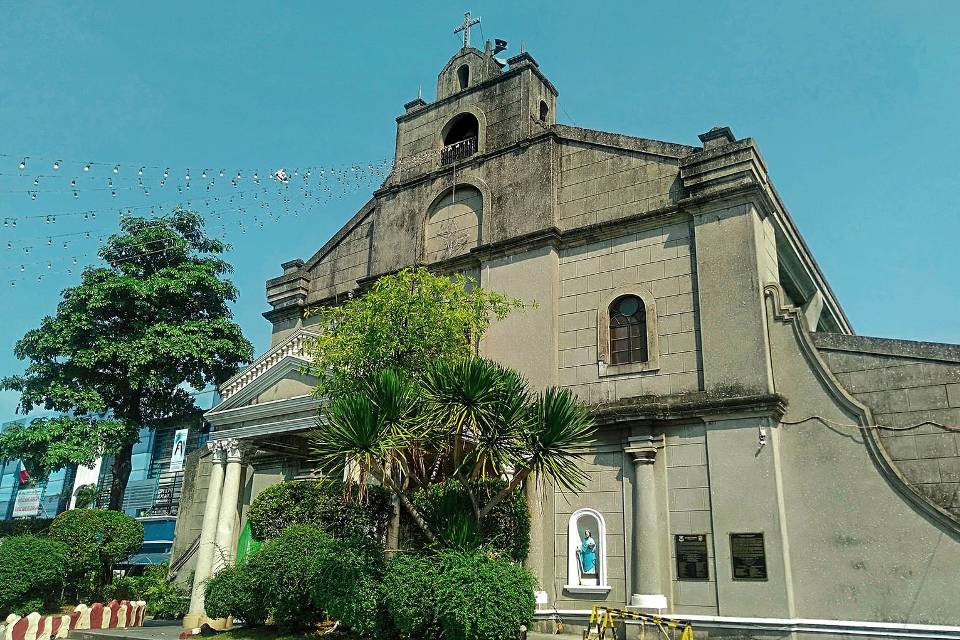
(934,351)
(688,406)
(273,409)
(624,142)
(764,196)
(551,236)
(271,428)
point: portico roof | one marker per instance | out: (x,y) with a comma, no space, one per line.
(271,396)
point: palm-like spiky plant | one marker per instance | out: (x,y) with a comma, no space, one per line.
(473,417)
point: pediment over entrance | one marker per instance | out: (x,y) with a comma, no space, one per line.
(273,390)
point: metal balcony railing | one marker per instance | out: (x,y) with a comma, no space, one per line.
(458,151)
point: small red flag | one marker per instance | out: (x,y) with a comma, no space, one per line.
(24,476)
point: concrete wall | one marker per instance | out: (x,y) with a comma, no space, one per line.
(526,340)
(656,259)
(685,463)
(346,263)
(193,498)
(730,295)
(599,184)
(907,384)
(857,548)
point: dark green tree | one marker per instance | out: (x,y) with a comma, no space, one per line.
(125,347)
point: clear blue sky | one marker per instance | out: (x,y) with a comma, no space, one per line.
(855,105)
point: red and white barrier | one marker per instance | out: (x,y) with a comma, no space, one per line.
(114,615)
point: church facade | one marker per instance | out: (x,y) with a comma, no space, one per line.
(754,457)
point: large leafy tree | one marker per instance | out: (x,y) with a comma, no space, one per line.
(126,346)
(404,321)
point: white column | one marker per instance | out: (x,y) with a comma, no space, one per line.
(211,512)
(646,528)
(226,551)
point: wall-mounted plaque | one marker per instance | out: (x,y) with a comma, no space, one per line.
(748,555)
(691,557)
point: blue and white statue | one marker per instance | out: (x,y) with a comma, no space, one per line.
(588,559)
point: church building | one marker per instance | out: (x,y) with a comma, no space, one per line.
(757,464)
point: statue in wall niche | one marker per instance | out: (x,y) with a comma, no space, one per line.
(587,558)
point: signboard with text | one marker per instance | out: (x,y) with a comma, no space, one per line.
(27,504)
(179,450)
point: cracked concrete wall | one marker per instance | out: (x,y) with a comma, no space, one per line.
(906,387)
(599,184)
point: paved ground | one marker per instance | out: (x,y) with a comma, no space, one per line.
(151,630)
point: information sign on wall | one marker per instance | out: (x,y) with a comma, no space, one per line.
(692,561)
(748,556)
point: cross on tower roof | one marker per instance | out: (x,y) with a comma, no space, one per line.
(465,27)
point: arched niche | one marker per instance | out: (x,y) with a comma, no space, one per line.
(463,76)
(463,136)
(578,581)
(453,223)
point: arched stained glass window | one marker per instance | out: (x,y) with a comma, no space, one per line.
(628,330)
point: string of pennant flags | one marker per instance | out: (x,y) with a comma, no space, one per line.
(242,199)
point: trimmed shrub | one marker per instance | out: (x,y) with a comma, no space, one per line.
(234,592)
(319,503)
(446,508)
(482,597)
(346,584)
(32,571)
(282,571)
(274,583)
(97,539)
(409,594)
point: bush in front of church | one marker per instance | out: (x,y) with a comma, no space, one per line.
(234,592)
(483,597)
(448,512)
(347,583)
(319,503)
(32,570)
(282,571)
(409,594)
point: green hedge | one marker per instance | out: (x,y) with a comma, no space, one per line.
(234,592)
(447,509)
(346,583)
(299,578)
(458,596)
(24,526)
(166,599)
(274,582)
(32,571)
(319,503)
(482,597)
(97,539)
(409,593)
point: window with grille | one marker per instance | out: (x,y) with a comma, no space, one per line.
(628,330)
